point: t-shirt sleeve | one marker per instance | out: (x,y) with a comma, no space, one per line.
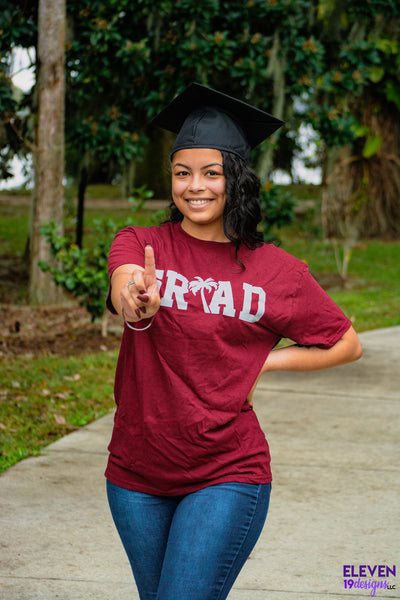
(316,320)
(127,248)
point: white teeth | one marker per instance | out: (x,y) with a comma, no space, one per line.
(198,201)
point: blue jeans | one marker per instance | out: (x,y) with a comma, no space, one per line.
(189,547)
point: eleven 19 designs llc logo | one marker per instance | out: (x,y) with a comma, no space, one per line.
(369,577)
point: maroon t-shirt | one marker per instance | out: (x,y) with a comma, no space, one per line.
(182,420)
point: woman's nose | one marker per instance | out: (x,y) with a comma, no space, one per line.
(196,183)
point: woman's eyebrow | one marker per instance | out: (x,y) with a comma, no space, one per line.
(181,165)
(205,166)
(212,165)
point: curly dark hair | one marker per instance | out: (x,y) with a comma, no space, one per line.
(242,211)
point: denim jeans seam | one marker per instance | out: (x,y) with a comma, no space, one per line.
(222,587)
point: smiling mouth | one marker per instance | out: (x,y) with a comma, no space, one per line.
(198,201)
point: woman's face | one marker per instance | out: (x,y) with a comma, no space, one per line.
(198,191)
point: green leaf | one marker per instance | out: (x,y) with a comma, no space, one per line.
(387,46)
(392,93)
(371,146)
(359,130)
(376,73)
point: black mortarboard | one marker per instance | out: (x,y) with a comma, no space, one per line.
(205,118)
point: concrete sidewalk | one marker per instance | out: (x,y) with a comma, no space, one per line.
(334,439)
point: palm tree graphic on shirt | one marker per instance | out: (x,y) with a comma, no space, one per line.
(203,285)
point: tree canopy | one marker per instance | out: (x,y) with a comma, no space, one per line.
(328,63)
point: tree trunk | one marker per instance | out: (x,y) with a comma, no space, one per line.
(154,170)
(276,69)
(81,206)
(128,178)
(361,196)
(379,175)
(48,197)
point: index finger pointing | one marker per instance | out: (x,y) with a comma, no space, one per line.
(149,262)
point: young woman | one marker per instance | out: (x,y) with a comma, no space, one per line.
(205,302)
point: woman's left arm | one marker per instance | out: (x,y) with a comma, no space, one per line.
(311,358)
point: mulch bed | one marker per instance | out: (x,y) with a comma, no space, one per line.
(53,330)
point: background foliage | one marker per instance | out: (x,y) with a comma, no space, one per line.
(303,60)
(325,63)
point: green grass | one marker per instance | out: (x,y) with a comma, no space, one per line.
(371,297)
(14,224)
(103,191)
(44,398)
(14,229)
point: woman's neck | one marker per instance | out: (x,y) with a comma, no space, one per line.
(207,233)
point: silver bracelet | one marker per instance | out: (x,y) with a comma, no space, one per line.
(136,328)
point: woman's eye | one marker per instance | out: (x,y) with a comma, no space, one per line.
(181,173)
(212,173)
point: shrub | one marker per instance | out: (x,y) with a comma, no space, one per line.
(277,210)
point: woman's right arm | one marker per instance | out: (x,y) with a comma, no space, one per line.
(140,299)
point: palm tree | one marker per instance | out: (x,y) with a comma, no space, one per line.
(201,284)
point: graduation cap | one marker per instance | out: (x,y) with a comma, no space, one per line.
(205,118)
